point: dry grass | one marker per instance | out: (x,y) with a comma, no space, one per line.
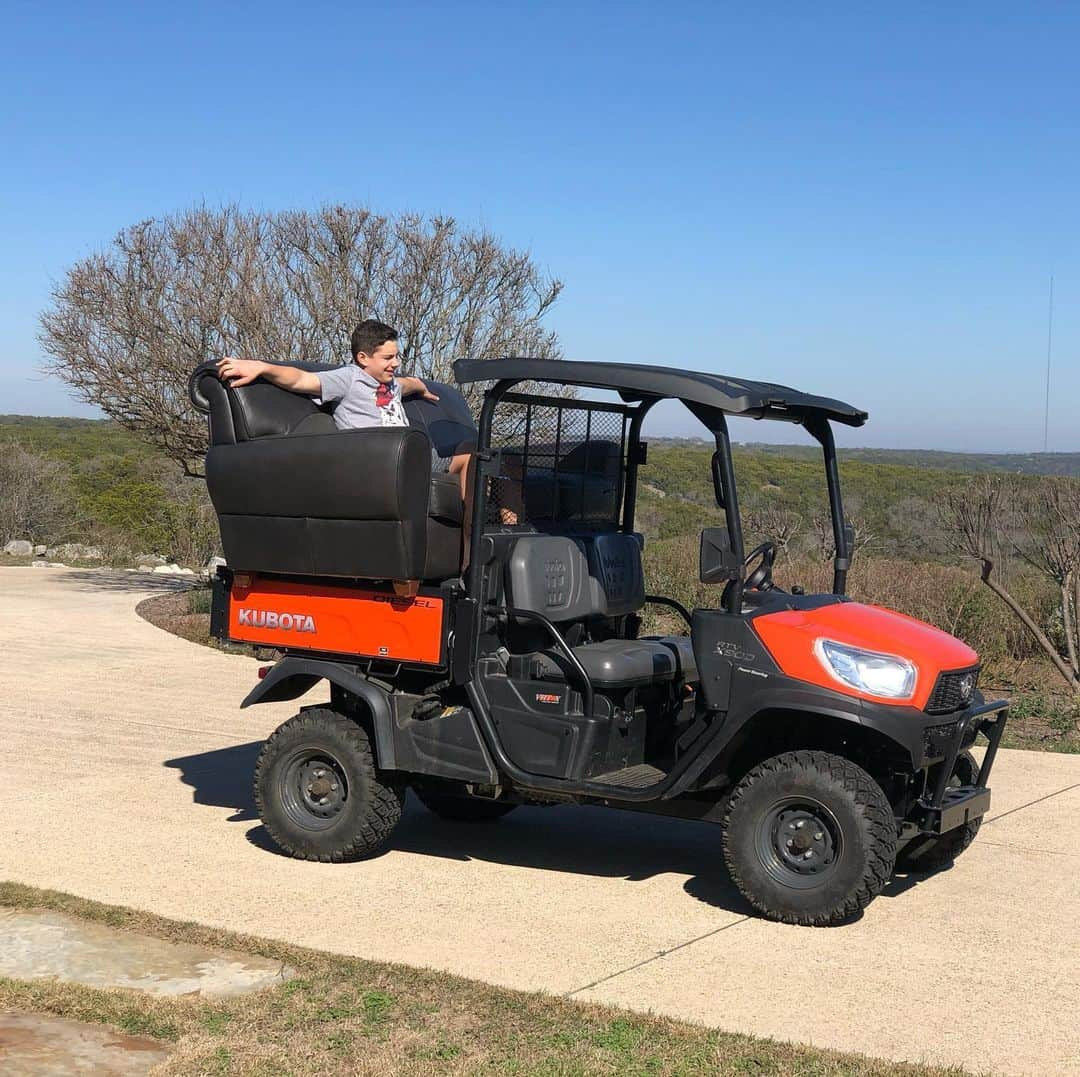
(347,1016)
(173,612)
(187,614)
(948,596)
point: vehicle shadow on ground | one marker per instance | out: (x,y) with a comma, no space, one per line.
(120,582)
(222,778)
(572,839)
(578,840)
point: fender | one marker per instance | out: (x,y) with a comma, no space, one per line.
(901,725)
(291,677)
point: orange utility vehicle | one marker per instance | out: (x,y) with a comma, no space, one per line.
(828,739)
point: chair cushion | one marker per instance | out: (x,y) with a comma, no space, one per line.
(682,647)
(612,663)
(445,499)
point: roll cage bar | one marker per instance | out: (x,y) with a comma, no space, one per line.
(710,398)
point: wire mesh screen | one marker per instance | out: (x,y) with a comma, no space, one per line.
(561,463)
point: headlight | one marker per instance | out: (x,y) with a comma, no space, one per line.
(882,675)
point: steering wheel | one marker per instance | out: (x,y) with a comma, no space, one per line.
(761,577)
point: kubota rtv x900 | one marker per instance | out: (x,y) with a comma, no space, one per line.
(828,739)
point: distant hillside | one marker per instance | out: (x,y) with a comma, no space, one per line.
(1057,463)
(72,439)
(890,494)
(63,437)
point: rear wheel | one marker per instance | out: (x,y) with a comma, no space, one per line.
(319,793)
(809,838)
(463,809)
(931,853)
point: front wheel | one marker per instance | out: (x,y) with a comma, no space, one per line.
(809,838)
(319,793)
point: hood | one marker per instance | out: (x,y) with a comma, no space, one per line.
(790,635)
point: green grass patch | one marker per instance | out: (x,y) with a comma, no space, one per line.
(343,1015)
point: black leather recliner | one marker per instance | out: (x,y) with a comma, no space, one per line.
(297,496)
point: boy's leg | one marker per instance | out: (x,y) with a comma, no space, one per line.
(511,508)
(463,465)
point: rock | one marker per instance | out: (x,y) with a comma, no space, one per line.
(19,548)
(40,1044)
(173,570)
(150,559)
(39,551)
(38,944)
(47,564)
(76,551)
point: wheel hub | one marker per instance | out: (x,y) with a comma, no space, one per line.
(798,842)
(313,788)
(320,787)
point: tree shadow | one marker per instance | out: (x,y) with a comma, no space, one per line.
(121,582)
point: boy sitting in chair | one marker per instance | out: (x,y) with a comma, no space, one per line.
(365,393)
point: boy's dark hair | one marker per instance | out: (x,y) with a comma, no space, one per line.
(370,334)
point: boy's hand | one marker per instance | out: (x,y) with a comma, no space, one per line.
(238,372)
(414,386)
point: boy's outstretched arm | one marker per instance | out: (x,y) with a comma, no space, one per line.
(412,386)
(239,372)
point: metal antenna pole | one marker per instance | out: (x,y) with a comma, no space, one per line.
(1049,347)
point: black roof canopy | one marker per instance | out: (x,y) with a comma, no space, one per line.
(633,381)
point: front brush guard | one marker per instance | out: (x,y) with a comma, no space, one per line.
(950,806)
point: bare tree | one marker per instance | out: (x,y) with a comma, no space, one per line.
(127,326)
(33,501)
(826,540)
(1039,520)
(774,523)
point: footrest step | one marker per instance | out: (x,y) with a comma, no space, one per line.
(639,777)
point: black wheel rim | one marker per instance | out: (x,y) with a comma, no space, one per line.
(313,788)
(799,842)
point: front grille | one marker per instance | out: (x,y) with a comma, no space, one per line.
(937,739)
(953,691)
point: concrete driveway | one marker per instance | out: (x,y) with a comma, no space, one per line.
(125,777)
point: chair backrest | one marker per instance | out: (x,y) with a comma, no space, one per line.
(263,410)
(569,578)
(448,421)
(257,410)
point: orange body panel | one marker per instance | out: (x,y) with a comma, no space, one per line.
(338,620)
(790,636)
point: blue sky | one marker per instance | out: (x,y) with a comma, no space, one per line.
(860,204)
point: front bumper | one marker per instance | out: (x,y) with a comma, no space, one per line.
(944,807)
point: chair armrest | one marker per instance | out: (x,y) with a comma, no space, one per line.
(372,474)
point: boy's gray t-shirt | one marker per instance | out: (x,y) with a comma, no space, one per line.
(352,392)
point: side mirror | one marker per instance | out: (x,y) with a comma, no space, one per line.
(718,561)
